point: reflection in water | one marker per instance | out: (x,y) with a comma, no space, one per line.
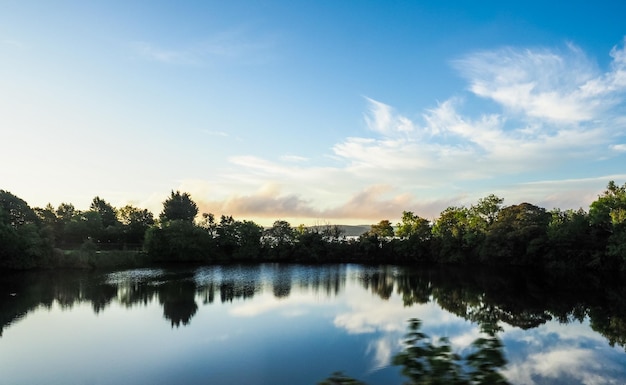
(177,298)
(521,299)
(373,301)
(425,362)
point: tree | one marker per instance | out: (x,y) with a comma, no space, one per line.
(227,236)
(109,228)
(416,234)
(609,209)
(518,236)
(23,244)
(178,207)
(208,223)
(108,214)
(249,240)
(450,232)
(382,229)
(279,239)
(65,214)
(135,223)
(179,241)
(572,240)
(486,210)
(413,226)
(608,215)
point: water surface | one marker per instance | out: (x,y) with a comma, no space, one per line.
(294,324)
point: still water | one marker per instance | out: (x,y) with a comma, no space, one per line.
(295,324)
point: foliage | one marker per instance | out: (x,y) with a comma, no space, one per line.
(23,241)
(179,241)
(238,240)
(108,214)
(278,240)
(484,233)
(608,215)
(135,222)
(178,207)
(450,231)
(572,240)
(413,227)
(382,229)
(518,236)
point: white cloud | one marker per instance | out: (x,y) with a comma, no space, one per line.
(382,118)
(559,87)
(574,364)
(618,147)
(558,112)
(293,158)
(296,304)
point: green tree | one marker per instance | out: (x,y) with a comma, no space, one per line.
(608,215)
(416,235)
(450,232)
(279,239)
(249,240)
(227,236)
(179,207)
(382,229)
(518,236)
(572,240)
(108,214)
(413,226)
(23,244)
(179,241)
(65,213)
(135,222)
(485,212)
(208,223)
(109,230)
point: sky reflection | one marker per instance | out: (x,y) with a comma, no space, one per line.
(272,324)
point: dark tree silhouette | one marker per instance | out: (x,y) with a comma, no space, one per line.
(178,207)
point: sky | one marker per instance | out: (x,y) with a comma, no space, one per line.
(342,112)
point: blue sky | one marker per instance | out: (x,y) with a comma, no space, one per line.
(321,111)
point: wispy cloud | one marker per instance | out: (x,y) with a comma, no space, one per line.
(157,53)
(556,109)
(540,83)
(293,158)
(571,363)
(216,133)
(618,147)
(237,44)
(383,119)
(371,204)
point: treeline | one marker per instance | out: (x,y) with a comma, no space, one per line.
(485,233)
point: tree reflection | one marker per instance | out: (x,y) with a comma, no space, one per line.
(523,299)
(281,283)
(381,282)
(178,300)
(428,362)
